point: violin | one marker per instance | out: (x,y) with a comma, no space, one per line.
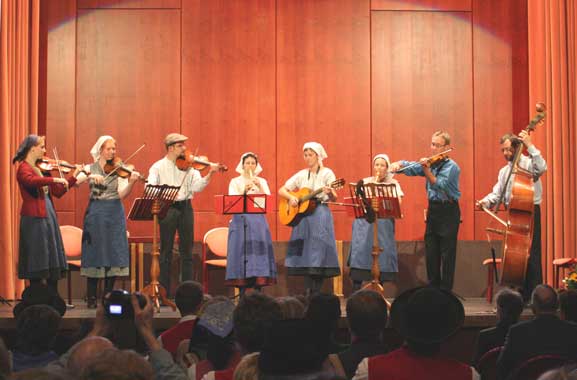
(118,167)
(47,164)
(432,160)
(197,162)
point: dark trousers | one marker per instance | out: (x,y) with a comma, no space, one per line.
(179,217)
(443,221)
(534,275)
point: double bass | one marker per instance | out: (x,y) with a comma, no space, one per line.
(517,228)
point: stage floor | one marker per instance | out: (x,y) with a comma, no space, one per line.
(478,314)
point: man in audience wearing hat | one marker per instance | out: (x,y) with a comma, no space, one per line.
(546,334)
(179,216)
(425,317)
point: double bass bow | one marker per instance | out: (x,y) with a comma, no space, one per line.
(517,227)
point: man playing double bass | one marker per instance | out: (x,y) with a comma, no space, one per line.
(536,165)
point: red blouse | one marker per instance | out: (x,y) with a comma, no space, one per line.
(31,183)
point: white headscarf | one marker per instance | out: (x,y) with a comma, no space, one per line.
(95,151)
(239,169)
(389,175)
(317,148)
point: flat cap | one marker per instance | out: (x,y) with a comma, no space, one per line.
(174,138)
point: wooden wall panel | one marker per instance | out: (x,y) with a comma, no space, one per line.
(501,88)
(323,94)
(228,90)
(421,5)
(422,82)
(128,86)
(129,4)
(59,36)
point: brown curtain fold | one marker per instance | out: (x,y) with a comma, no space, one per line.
(19,53)
(552,79)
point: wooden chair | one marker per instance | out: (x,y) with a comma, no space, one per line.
(534,367)
(487,365)
(491,277)
(72,238)
(565,263)
(215,241)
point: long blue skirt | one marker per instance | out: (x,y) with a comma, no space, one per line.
(104,242)
(360,258)
(260,264)
(41,250)
(312,248)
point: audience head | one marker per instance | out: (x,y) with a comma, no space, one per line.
(251,316)
(291,307)
(188,297)
(40,294)
(367,315)
(509,306)
(426,317)
(291,350)
(83,352)
(118,365)
(324,308)
(567,372)
(544,300)
(247,368)
(214,328)
(37,326)
(568,305)
(5,361)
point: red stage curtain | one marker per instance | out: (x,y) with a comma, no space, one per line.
(19,49)
(552,80)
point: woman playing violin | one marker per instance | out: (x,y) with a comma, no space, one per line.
(443,212)
(180,214)
(104,242)
(41,250)
(360,258)
(255,243)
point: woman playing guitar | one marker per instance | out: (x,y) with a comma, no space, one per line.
(312,250)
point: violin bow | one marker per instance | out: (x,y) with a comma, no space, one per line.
(55,152)
(125,161)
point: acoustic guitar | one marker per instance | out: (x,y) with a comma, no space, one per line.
(291,215)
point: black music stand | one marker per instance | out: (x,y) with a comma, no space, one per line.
(241,204)
(154,203)
(384,201)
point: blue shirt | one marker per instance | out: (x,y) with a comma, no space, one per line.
(447,185)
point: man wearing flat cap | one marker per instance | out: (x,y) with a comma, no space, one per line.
(179,216)
(425,317)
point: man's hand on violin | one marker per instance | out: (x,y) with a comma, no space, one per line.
(425,162)
(525,138)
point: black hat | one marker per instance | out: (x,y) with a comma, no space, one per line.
(40,294)
(291,347)
(427,314)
